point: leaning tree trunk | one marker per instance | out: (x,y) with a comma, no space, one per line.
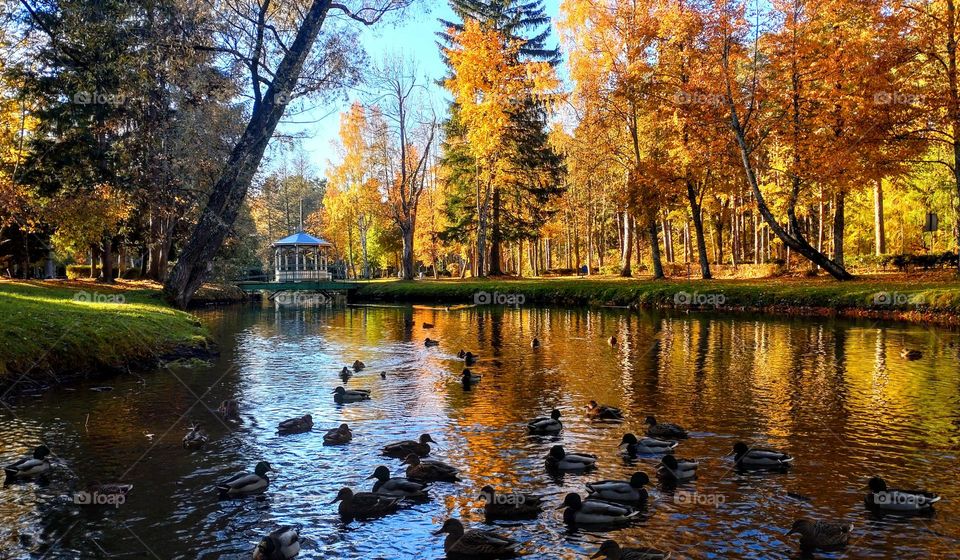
(697,212)
(231,187)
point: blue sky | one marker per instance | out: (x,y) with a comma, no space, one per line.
(414,37)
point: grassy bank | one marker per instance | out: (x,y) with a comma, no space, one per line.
(913,298)
(70,328)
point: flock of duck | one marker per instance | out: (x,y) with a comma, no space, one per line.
(608,503)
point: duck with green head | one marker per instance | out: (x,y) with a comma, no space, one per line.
(513,505)
(342,395)
(758,458)
(29,467)
(895,500)
(545,425)
(282,544)
(673,470)
(397,486)
(621,491)
(593,511)
(246,484)
(633,446)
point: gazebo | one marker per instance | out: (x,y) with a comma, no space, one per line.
(301,257)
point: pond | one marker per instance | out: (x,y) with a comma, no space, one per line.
(835,394)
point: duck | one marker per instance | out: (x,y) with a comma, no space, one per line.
(364,505)
(195,438)
(345,374)
(358,365)
(430,342)
(664,430)
(245,484)
(597,411)
(821,535)
(911,354)
(621,491)
(535,343)
(428,325)
(895,500)
(757,458)
(634,446)
(593,511)
(474,543)
(612,341)
(510,506)
(338,436)
(470,377)
(401,449)
(612,550)
(296,425)
(282,544)
(558,459)
(341,395)
(546,424)
(383,375)
(429,471)
(229,410)
(468,357)
(111,489)
(396,486)
(29,467)
(672,469)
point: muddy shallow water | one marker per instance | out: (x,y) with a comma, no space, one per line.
(835,394)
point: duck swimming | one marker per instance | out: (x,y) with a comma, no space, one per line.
(396,486)
(898,501)
(282,544)
(558,459)
(760,459)
(195,438)
(510,506)
(364,505)
(821,535)
(474,543)
(429,342)
(597,411)
(401,449)
(358,365)
(664,430)
(910,354)
(345,374)
(633,446)
(29,467)
(592,511)
(621,491)
(429,471)
(338,436)
(428,325)
(229,410)
(613,551)
(246,484)
(469,377)
(535,343)
(546,424)
(296,425)
(341,395)
(672,469)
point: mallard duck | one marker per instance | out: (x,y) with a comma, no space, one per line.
(672,469)
(396,486)
(429,342)
(29,467)
(195,439)
(245,484)
(345,374)
(757,458)
(613,551)
(296,425)
(358,365)
(474,543)
(401,449)
(901,501)
(910,354)
(535,343)
(664,430)
(338,436)
(229,410)
(822,535)
(597,411)
(428,325)
(282,544)
(621,491)
(470,377)
(364,505)
(429,471)
(510,506)
(546,424)
(592,511)
(559,459)
(341,395)
(633,446)
(468,358)
(612,341)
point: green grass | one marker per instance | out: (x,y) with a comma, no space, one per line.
(909,295)
(81,327)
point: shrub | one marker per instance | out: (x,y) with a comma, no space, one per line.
(78,271)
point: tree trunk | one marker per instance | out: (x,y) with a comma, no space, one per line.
(655,249)
(95,261)
(697,212)
(880,238)
(106,261)
(407,255)
(626,253)
(231,187)
(838,227)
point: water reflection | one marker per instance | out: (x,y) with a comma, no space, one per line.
(834,394)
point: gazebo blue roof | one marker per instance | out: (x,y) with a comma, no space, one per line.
(302,238)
